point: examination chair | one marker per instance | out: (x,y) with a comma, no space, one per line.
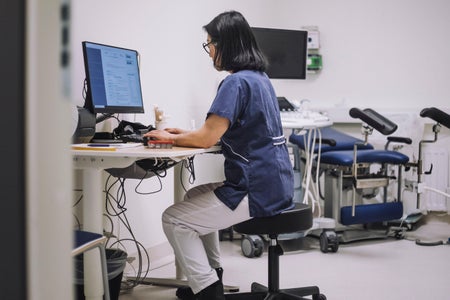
(347,164)
(290,221)
(441,118)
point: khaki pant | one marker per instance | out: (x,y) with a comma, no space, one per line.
(192,226)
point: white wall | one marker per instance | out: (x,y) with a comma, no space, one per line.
(391,55)
(382,54)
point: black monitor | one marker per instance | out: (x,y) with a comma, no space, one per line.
(112,79)
(285,51)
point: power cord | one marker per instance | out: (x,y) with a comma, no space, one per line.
(188,164)
(115,207)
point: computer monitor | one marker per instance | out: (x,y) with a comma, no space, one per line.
(112,78)
(285,50)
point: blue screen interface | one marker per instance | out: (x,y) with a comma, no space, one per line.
(113,78)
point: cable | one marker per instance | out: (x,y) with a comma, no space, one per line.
(78,223)
(189,165)
(142,179)
(140,274)
(191,169)
(115,207)
(313,194)
(84,89)
(119,200)
(110,233)
(156,167)
(103,116)
(316,185)
(79,199)
(118,210)
(436,191)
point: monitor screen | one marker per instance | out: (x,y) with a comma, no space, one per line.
(113,80)
(285,51)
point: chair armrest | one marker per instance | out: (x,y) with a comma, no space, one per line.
(399,139)
(374,120)
(436,115)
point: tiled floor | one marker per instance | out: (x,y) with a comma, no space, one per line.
(379,269)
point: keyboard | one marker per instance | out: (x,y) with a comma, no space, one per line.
(107,141)
(132,138)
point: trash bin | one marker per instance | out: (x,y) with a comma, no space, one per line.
(115,261)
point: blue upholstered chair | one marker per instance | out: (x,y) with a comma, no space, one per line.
(346,163)
(85,241)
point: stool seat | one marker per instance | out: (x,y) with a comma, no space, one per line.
(341,141)
(83,238)
(297,219)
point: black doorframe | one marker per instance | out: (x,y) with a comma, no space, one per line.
(13,278)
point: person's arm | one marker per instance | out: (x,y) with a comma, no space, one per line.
(206,136)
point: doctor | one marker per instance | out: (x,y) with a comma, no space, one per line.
(245,117)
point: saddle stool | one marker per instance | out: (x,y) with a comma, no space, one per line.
(298,219)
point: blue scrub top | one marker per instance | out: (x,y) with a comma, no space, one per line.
(257,162)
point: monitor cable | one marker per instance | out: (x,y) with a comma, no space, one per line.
(115,207)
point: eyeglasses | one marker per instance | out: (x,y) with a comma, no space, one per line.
(206,46)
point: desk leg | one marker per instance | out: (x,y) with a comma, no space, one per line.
(180,183)
(92,221)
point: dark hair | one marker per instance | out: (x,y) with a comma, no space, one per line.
(236,47)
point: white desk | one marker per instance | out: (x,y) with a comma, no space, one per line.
(92,162)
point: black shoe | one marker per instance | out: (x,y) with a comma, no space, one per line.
(186,293)
(212,292)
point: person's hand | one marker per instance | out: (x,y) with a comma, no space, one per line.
(204,137)
(160,134)
(175,130)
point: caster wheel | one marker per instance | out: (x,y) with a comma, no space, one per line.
(252,246)
(329,241)
(399,235)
